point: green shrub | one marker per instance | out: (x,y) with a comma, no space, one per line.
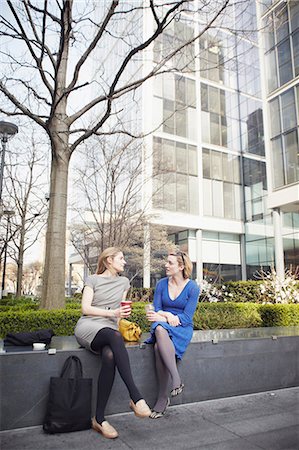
(19,301)
(138,316)
(279,315)
(243,291)
(20,307)
(61,321)
(209,316)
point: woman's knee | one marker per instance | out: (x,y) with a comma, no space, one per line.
(160,331)
(107,357)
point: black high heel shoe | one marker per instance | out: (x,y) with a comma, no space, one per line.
(177,391)
(158,414)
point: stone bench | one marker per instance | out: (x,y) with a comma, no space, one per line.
(217,364)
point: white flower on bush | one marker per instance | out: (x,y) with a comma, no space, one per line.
(279,289)
(210,292)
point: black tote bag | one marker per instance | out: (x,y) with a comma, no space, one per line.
(69,403)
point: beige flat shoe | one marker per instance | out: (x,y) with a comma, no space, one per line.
(107,430)
(141,408)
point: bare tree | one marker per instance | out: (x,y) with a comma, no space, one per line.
(25,189)
(47,49)
(113,214)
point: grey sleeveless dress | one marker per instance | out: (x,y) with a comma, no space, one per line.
(108,292)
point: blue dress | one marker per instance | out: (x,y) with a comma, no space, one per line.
(182,306)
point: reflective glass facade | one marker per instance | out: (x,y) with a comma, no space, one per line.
(209,149)
(280,24)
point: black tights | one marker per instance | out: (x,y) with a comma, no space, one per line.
(114,354)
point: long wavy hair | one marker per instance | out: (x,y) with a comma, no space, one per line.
(102,262)
(183,260)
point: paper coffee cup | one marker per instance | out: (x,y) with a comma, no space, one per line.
(39,346)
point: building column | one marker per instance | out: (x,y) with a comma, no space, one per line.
(278,243)
(147,258)
(243,257)
(199,262)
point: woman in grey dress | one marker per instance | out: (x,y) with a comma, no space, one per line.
(97,330)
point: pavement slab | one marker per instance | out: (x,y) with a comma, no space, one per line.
(266,420)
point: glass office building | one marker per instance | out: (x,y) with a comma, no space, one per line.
(225,144)
(220,126)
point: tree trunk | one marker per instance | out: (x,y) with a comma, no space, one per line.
(53,292)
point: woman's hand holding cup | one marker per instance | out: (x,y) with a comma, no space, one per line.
(125,308)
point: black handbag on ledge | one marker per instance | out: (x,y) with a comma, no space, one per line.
(69,403)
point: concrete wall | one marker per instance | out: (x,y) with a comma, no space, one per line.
(209,370)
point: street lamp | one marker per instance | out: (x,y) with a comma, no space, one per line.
(7,131)
(8,213)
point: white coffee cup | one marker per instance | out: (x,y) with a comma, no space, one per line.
(39,346)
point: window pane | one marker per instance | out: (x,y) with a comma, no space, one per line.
(182,192)
(271,71)
(214,100)
(190,93)
(292,158)
(204,97)
(180,89)
(168,86)
(158,192)
(206,163)
(295,40)
(168,156)
(281,23)
(236,167)
(180,120)
(192,160)
(181,158)
(294,15)
(275,117)
(205,126)
(228,173)
(216,172)
(288,110)
(228,200)
(168,116)
(284,62)
(268,32)
(277,163)
(217,198)
(215,129)
(169,191)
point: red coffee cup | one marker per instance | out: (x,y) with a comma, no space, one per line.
(126,303)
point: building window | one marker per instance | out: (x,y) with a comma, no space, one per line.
(255,189)
(175,176)
(176,95)
(221,184)
(281,42)
(284,116)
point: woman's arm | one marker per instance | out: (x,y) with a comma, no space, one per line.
(186,316)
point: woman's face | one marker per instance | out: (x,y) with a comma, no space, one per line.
(118,262)
(172,266)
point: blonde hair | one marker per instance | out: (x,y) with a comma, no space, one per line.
(183,260)
(102,262)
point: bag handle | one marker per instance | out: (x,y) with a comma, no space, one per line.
(72,363)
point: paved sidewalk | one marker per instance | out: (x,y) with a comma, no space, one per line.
(268,420)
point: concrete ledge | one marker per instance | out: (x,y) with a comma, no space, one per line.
(217,364)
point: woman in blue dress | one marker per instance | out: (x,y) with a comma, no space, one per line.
(175,301)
